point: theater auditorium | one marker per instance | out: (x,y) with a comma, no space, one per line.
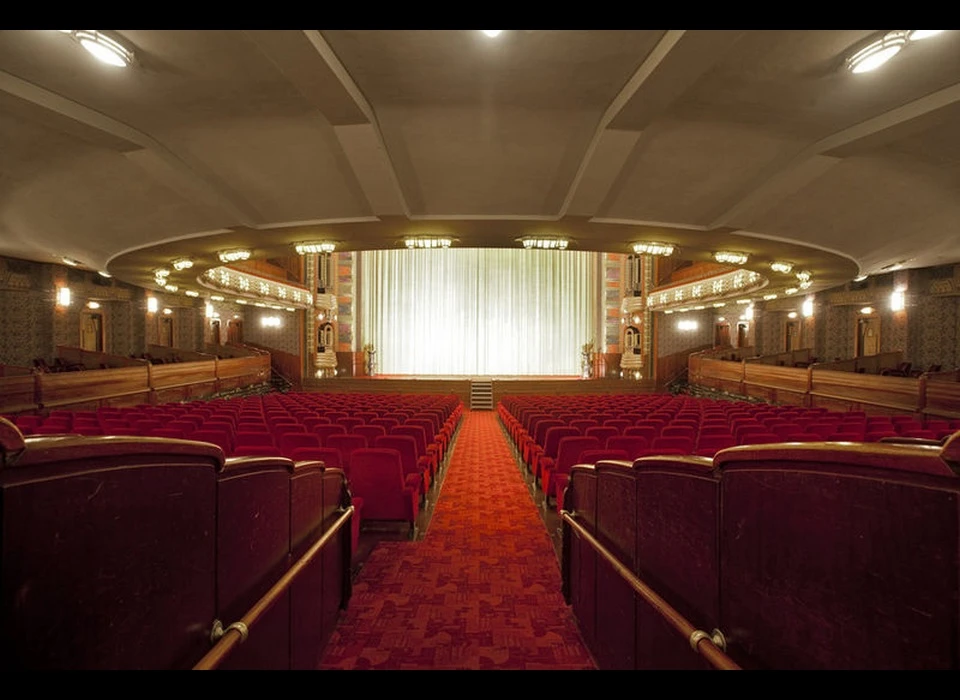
(557,350)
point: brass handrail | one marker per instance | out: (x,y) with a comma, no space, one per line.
(704,643)
(237,632)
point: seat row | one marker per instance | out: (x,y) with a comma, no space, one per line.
(131,552)
(831,556)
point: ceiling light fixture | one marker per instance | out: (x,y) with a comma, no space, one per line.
(860,278)
(780,266)
(729,257)
(877,52)
(544,242)
(653,248)
(492,33)
(93,305)
(427,242)
(105,274)
(920,34)
(192,293)
(311,247)
(70,261)
(229,256)
(171,287)
(103,47)
(182,264)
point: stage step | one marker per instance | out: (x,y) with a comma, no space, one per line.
(481,395)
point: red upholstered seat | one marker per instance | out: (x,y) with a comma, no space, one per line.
(417,470)
(569,449)
(377,476)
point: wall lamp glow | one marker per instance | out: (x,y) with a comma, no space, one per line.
(152,305)
(807,308)
(897,300)
(63,296)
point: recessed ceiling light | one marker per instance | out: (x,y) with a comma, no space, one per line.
(104,273)
(860,278)
(70,261)
(877,52)
(919,34)
(492,33)
(103,47)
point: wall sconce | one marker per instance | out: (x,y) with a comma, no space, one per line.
(167,312)
(63,296)
(807,308)
(897,300)
(748,312)
(792,314)
(866,310)
(208,310)
(152,305)
(93,305)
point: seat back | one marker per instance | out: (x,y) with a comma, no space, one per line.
(253,545)
(95,597)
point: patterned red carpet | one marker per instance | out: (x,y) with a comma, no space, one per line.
(480,591)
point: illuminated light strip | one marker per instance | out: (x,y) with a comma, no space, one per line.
(720,287)
(254,287)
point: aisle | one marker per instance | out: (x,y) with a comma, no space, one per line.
(480,591)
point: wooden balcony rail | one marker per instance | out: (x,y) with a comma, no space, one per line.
(237,632)
(700,641)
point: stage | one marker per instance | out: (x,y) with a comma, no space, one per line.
(502,385)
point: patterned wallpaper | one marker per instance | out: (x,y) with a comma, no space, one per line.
(671,340)
(286,337)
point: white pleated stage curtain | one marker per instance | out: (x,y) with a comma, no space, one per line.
(478,311)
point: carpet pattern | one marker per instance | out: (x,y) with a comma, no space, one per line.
(480,591)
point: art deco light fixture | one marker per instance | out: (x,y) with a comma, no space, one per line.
(781,266)
(427,242)
(237,255)
(653,248)
(182,264)
(729,257)
(544,242)
(310,247)
(877,52)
